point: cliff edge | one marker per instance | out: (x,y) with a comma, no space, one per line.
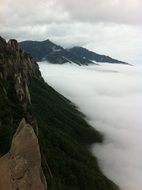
(20,168)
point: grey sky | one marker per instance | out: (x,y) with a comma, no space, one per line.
(110,27)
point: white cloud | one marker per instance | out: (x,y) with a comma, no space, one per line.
(110,96)
(117,11)
(45,11)
(110,27)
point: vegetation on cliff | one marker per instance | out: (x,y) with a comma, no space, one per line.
(64,135)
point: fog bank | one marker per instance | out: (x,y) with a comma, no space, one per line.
(111,98)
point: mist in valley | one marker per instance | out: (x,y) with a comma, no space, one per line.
(110,95)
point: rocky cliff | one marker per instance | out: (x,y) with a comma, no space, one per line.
(20,168)
(52,138)
(17,67)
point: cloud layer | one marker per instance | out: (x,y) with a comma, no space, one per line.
(43,12)
(110,96)
(110,27)
(117,11)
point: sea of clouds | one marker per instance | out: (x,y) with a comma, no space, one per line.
(110,95)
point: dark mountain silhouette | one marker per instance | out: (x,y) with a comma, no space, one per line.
(49,51)
(92,56)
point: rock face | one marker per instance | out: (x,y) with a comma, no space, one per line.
(16,68)
(20,169)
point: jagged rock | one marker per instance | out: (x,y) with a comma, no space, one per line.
(22,91)
(14,60)
(13,44)
(2,43)
(20,169)
(17,67)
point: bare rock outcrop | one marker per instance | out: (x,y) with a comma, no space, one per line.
(17,68)
(20,168)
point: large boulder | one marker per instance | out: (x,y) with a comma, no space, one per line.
(20,168)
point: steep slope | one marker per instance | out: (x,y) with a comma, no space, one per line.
(16,68)
(23,161)
(46,50)
(64,135)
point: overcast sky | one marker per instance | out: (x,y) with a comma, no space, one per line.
(111,27)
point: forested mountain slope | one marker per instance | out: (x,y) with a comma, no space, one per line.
(63,133)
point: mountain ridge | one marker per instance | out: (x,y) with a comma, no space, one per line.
(55,54)
(92,56)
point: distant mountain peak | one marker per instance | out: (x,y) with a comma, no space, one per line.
(53,53)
